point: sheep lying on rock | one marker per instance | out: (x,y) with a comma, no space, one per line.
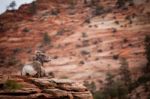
(34,69)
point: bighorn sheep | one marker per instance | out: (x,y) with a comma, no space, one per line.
(35,68)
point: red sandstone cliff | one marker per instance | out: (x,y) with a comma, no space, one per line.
(82,45)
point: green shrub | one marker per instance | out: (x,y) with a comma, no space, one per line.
(64,77)
(125,72)
(84,52)
(91,86)
(26,30)
(141,80)
(81,62)
(115,57)
(72,3)
(55,12)
(131,2)
(144,79)
(84,34)
(87,20)
(12,60)
(114,30)
(120,3)
(99,95)
(12,85)
(98,10)
(125,40)
(2,27)
(16,50)
(147,52)
(60,32)
(113,89)
(46,39)
(116,91)
(85,43)
(33,8)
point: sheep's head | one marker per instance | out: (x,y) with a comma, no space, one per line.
(46,59)
(41,57)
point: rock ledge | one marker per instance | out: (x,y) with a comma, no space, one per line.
(44,88)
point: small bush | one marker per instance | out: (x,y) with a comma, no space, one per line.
(91,86)
(26,30)
(16,50)
(55,57)
(124,72)
(147,52)
(141,80)
(131,45)
(114,30)
(46,39)
(125,40)
(95,42)
(81,62)
(72,4)
(99,50)
(85,43)
(78,46)
(2,27)
(12,61)
(120,3)
(144,79)
(99,95)
(84,52)
(33,8)
(55,12)
(98,10)
(116,22)
(115,57)
(64,77)
(12,85)
(112,90)
(87,20)
(84,34)
(60,32)
(131,2)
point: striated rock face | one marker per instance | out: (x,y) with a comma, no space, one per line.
(83,44)
(44,88)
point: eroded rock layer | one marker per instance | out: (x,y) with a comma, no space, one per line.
(43,88)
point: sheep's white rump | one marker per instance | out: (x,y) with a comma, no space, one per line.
(35,70)
(28,69)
